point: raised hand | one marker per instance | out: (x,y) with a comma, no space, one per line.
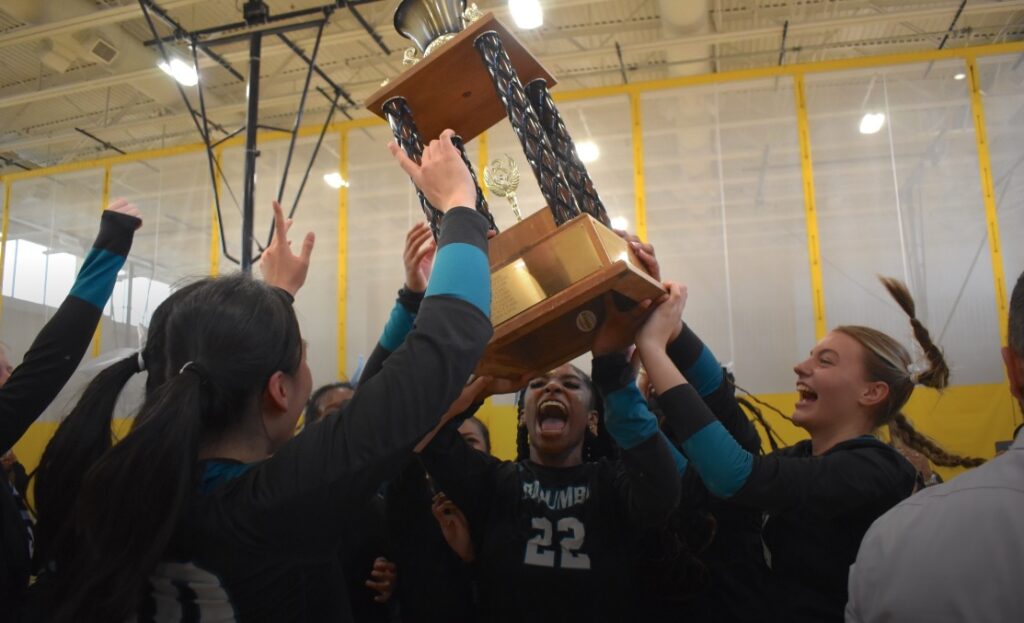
(617,331)
(454,527)
(122,206)
(420,248)
(281,267)
(441,175)
(382,579)
(644,252)
(665,321)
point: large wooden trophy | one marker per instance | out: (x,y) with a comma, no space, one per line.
(552,272)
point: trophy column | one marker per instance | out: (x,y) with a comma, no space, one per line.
(527,126)
(481,201)
(572,167)
(403,126)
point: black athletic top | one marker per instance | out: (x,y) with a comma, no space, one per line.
(728,583)
(553,544)
(47,366)
(818,507)
(260,542)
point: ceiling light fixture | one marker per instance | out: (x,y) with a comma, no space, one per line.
(620,223)
(959,76)
(872,122)
(588,151)
(184,73)
(335,180)
(527,14)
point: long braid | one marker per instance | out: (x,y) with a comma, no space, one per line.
(912,438)
(937,374)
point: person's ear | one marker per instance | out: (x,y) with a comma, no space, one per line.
(278,391)
(874,394)
(592,423)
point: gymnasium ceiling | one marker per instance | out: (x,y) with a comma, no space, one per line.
(131,105)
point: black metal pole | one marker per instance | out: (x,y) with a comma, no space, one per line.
(298,118)
(251,123)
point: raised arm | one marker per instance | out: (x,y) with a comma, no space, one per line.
(728,470)
(57,350)
(420,249)
(350,453)
(647,480)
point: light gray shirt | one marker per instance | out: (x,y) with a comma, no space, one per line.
(953,552)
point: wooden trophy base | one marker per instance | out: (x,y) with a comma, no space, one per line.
(548,287)
(452,89)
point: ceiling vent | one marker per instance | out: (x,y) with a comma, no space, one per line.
(101,51)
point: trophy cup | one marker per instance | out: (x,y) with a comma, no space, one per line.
(552,272)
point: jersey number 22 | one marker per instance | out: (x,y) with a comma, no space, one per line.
(570,532)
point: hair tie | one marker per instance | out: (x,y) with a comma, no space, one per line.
(196,369)
(140,361)
(914,372)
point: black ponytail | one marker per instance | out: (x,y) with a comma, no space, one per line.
(83,436)
(222,342)
(121,527)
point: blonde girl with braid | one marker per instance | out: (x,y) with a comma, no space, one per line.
(820,495)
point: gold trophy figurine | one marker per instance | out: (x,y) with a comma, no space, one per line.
(502,179)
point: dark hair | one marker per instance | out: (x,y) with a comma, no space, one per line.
(887,361)
(595,447)
(484,432)
(1016,328)
(313,404)
(225,339)
(85,434)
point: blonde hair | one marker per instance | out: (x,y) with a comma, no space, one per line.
(887,361)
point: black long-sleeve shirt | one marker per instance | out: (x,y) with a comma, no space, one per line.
(818,507)
(259,542)
(47,366)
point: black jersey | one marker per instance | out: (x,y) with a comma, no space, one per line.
(553,544)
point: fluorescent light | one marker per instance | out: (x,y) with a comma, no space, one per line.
(335,180)
(620,223)
(872,122)
(527,14)
(959,76)
(588,151)
(184,73)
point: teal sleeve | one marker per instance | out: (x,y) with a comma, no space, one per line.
(461,270)
(95,282)
(627,417)
(398,326)
(723,464)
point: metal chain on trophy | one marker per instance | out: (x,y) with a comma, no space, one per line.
(404,128)
(572,167)
(481,201)
(527,126)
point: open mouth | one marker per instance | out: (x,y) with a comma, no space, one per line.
(807,395)
(552,417)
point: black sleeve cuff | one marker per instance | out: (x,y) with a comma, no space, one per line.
(410,300)
(116,232)
(685,411)
(685,349)
(611,372)
(464,225)
(286,294)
